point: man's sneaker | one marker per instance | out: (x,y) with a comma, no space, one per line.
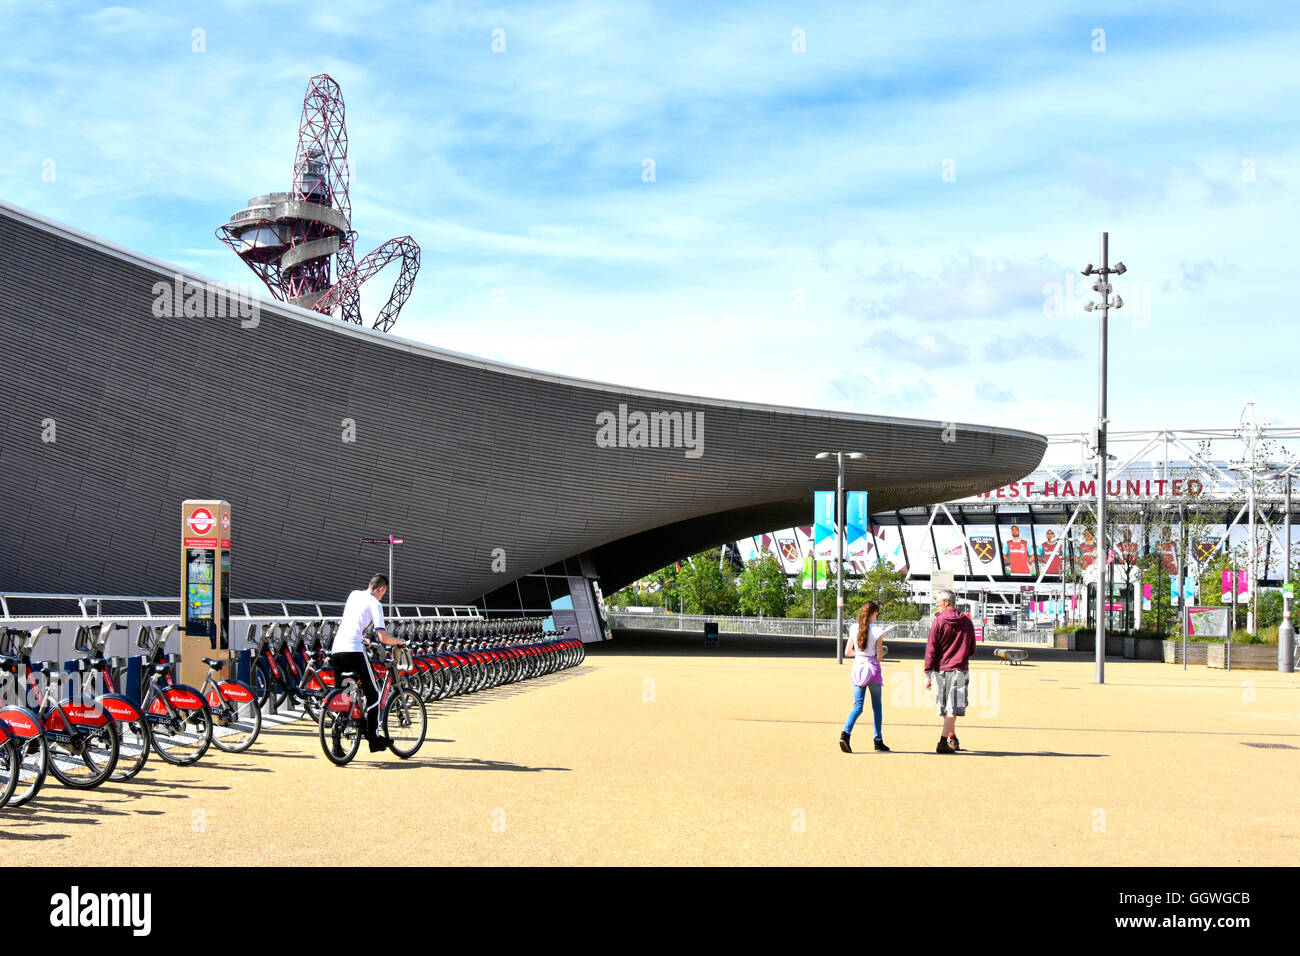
(880,745)
(954,743)
(943,747)
(379,743)
(844,743)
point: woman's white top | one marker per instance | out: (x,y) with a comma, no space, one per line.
(873,640)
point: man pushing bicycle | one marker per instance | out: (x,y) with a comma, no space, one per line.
(363,612)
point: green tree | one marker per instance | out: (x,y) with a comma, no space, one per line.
(637,594)
(706,588)
(1160,620)
(890,589)
(763,589)
(667,581)
(1270,608)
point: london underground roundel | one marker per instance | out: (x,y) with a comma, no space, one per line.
(200,521)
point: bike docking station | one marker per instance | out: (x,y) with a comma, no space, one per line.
(205,590)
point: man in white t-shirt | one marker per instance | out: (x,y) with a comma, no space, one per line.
(348,653)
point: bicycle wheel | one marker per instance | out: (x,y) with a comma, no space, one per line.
(133,748)
(35,755)
(236,724)
(184,738)
(340,733)
(11,768)
(405,722)
(87,758)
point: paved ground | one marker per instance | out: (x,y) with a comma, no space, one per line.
(670,753)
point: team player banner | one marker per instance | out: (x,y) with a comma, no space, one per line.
(824,524)
(856,527)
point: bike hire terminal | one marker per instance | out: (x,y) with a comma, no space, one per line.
(205,588)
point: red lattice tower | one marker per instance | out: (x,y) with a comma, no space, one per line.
(291,239)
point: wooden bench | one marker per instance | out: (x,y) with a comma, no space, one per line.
(1011,655)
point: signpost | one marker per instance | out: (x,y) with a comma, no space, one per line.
(1208,622)
(392,541)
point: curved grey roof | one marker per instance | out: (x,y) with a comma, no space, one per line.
(472,461)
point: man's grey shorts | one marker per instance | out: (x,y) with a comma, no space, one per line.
(950,691)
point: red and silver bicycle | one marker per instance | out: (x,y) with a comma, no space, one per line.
(402,716)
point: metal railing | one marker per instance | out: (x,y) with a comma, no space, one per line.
(84,602)
(136,611)
(805,627)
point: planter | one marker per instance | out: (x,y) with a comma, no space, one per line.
(1246,657)
(1062,641)
(1087,641)
(1173,651)
(1143,649)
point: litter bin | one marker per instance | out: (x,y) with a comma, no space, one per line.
(710,633)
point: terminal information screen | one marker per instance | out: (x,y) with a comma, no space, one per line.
(198,589)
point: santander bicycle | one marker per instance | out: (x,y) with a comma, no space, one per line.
(80,735)
(11,763)
(25,727)
(180,720)
(402,717)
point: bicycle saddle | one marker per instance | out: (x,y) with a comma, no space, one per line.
(214,664)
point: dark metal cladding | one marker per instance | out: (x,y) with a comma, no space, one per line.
(458,455)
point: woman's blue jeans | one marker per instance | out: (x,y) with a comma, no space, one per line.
(859,695)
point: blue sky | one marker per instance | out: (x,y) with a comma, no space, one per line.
(799,244)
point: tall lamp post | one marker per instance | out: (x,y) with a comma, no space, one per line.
(1285,630)
(1102,286)
(839,457)
(1272,471)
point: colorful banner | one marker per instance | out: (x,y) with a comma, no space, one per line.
(856,525)
(1243,585)
(804,538)
(1050,554)
(823,574)
(1189,588)
(951,547)
(983,549)
(1018,551)
(889,546)
(787,552)
(824,524)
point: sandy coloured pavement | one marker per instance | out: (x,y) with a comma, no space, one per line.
(655,753)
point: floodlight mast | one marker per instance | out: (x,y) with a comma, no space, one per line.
(1102,286)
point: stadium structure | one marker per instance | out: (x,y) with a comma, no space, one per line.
(1193,496)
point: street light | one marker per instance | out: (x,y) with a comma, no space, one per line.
(1285,630)
(1102,286)
(1272,471)
(1269,471)
(839,457)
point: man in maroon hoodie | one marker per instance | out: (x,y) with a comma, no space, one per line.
(951,644)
